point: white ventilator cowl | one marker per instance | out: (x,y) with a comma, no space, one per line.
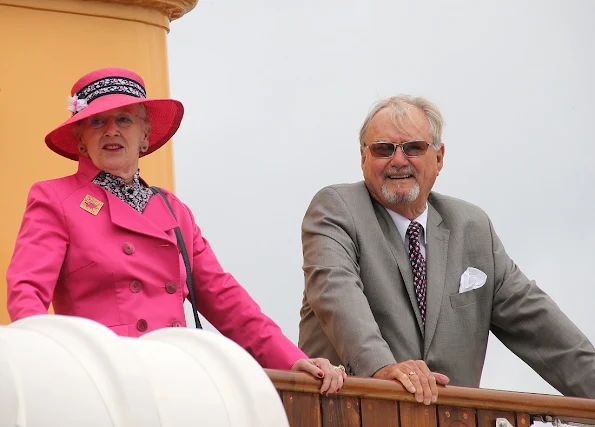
(67,371)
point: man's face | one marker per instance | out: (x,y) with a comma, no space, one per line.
(401,183)
(113,139)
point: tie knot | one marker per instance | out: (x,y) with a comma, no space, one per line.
(414,230)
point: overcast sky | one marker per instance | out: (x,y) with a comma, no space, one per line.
(275,93)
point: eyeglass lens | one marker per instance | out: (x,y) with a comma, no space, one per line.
(387,149)
(122,120)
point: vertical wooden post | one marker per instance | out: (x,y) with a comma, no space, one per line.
(378,412)
(418,415)
(341,411)
(303,409)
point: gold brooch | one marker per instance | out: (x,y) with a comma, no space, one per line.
(91,204)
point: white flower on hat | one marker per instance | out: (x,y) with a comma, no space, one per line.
(75,104)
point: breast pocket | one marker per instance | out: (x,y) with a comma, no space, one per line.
(466,298)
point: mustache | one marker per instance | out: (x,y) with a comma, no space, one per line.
(403,170)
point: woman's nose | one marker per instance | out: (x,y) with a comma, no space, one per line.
(111,128)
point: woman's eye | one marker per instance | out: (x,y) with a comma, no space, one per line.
(124,120)
(96,123)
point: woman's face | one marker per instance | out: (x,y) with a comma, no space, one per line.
(113,139)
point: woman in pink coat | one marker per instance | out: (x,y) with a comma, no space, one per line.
(102,244)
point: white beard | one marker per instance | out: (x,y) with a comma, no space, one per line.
(399,198)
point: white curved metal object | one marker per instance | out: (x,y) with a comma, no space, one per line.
(503,422)
(67,371)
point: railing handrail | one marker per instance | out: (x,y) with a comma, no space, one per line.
(534,404)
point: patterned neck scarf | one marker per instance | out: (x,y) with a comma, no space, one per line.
(136,194)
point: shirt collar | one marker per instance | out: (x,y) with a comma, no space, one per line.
(107,178)
(402,223)
(90,171)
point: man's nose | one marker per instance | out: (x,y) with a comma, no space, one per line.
(399,158)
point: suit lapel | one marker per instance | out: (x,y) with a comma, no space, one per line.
(155,221)
(397,247)
(436,254)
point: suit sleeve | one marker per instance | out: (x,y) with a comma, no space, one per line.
(38,256)
(333,287)
(230,309)
(531,325)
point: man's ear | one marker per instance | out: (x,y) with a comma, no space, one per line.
(362,152)
(440,157)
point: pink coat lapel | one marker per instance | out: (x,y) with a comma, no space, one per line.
(155,221)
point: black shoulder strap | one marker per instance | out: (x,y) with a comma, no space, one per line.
(189,279)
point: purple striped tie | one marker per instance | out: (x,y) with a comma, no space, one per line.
(418,265)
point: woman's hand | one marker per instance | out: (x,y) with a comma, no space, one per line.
(332,376)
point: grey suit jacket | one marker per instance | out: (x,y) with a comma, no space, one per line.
(359,305)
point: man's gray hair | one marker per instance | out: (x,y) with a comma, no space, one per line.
(400,107)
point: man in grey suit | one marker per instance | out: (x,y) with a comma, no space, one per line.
(373,302)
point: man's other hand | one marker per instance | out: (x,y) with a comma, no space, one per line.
(416,377)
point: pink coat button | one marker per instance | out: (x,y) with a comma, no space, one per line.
(170,288)
(176,324)
(136,286)
(128,248)
(141,325)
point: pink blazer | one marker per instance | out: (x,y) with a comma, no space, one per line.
(124,269)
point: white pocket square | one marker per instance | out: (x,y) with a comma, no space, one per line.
(471,279)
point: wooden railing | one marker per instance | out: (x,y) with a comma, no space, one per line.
(367,402)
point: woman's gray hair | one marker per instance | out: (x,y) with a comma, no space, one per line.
(400,107)
(145,118)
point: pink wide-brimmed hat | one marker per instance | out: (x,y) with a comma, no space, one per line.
(107,89)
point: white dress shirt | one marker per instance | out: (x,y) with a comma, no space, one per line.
(402,224)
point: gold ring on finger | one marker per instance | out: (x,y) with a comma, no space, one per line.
(340,368)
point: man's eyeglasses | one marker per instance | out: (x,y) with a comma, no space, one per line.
(386,149)
(122,120)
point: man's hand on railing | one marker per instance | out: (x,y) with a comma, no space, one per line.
(332,376)
(416,377)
